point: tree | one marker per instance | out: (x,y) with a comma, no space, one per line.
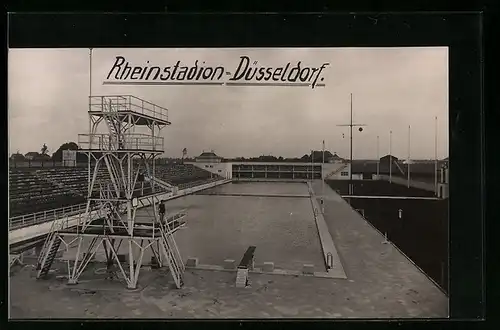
(57,156)
(17,157)
(305,158)
(184,153)
(44,149)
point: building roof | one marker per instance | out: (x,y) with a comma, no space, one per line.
(208,155)
(387,157)
(335,156)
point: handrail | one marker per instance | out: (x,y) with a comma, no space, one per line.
(128,103)
(55,214)
(44,216)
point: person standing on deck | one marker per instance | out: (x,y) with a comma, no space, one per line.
(161,210)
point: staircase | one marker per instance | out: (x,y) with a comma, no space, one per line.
(172,255)
(399,168)
(48,254)
(329,175)
(241,277)
(113,130)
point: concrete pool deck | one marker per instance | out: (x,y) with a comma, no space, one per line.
(326,240)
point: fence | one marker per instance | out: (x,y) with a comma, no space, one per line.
(44,163)
(125,103)
(44,216)
(53,163)
(414,184)
(126,142)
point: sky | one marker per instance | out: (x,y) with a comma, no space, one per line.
(392,88)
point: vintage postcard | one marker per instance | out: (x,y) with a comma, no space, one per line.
(228,183)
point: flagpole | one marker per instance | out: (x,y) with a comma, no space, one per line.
(378,158)
(323,180)
(322,166)
(90,124)
(90,75)
(390,156)
(312,165)
(435,155)
(350,171)
(323,151)
(409,137)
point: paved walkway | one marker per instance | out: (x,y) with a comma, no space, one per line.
(210,294)
(381,283)
(327,244)
(366,260)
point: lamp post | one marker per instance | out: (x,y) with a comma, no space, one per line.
(351,125)
(323,180)
(390,156)
(409,155)
(378,158)
(435,156)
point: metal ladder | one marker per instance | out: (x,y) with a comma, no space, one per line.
(111,123)
(48,253)
(173,257)
(329,175)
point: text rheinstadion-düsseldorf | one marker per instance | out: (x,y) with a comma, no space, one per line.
(248,72)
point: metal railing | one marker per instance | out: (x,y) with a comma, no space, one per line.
(45,216)
(126,142)
(123,103)
(415,184)
(55,214)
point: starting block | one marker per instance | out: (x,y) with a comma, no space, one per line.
(246,263)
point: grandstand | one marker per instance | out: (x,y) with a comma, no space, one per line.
(48,190)
(184,175)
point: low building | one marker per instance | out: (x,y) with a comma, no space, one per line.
(212,163)
(208,157)
(36,156)
(32,155)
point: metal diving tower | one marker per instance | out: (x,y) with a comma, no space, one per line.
(121,172)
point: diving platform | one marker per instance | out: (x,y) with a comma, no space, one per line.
(124,107)
(142,230)
(128,142)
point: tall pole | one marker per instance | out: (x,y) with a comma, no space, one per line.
(378,158)
(435,155)
(322,167)
(351,125)
(323,151)
(90,124)
(90,75)
(350,158)
(390,156)
(312,165)
(323,180)
(409,137)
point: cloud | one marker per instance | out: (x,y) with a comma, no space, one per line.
(392,88)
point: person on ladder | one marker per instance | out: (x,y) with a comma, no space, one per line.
(161,209)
